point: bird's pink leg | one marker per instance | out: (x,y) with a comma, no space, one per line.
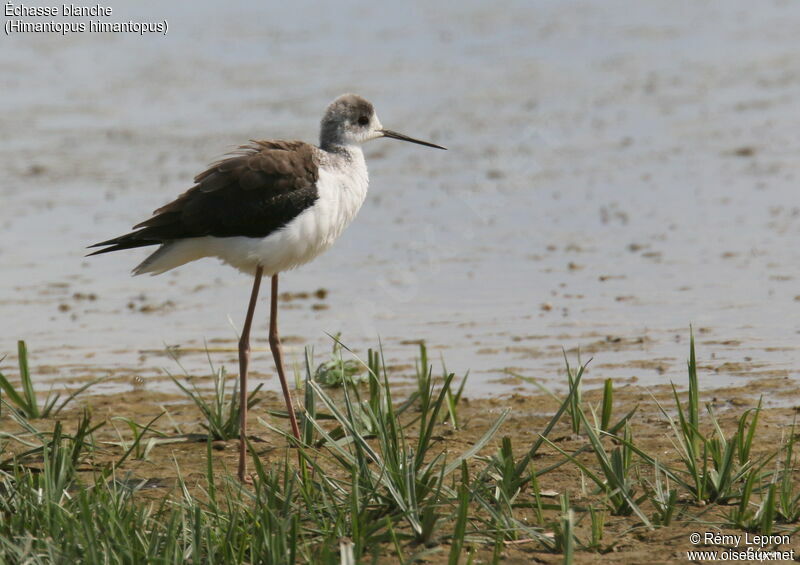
(275,346)
(244,360)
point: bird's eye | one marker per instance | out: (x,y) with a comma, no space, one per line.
(363,120)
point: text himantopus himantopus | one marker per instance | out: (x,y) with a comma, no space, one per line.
(270,207)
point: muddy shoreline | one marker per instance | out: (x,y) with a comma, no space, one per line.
(624,541)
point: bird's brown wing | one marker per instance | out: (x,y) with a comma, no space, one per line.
(252,193)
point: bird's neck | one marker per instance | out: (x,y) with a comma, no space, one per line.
(344,153)
(346,160)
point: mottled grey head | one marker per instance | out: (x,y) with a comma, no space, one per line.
(351,120)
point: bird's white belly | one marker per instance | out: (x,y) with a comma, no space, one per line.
(310,233)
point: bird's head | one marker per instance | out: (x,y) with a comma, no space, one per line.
(351,120)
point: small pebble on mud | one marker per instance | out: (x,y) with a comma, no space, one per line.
(744,151)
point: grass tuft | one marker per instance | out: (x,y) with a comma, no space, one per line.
(221,412)
(25,400)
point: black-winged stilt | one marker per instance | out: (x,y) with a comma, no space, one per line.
(270,207)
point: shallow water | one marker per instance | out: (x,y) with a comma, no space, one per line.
(610,180)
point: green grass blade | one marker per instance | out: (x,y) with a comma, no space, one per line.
(25,378)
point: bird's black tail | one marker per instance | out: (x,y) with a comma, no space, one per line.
(128,241)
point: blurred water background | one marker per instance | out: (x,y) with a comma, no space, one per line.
(616,171)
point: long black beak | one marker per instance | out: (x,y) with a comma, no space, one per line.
(401,137)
